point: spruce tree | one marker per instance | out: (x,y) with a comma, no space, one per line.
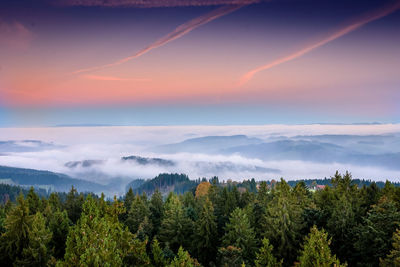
(37,253)
(183,259)
(240,234)
(316,251)
(264,257)
(393,258)
(16,237)
(176,227)
(206,233)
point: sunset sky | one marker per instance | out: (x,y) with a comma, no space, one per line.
(198,62)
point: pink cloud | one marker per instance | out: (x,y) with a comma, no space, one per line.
(111,78)
(180,31)
(14,35)
(377,14)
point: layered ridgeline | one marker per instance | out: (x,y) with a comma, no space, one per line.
(45,180)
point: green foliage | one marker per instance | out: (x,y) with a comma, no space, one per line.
(176,227)
(37,252)
(316,251)
(156,207)
(230,256)
(206,233)
(159,259)
(139,210)
(183,259)
(393,258)
(240,234)
(264,257)
(16,237)
(231,225)
(373,236)
(282,222)
(58,223)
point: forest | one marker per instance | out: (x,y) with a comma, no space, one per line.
(215,224)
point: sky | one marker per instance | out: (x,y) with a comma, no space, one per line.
(186,62)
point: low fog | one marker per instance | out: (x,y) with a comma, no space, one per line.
(230,152)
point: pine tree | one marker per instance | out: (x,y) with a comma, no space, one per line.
(138,211)
(101,241)
(264,257)
(33,201)
(176,227)
(240,234)
(282,222)
(183,259)
(59,224)
(73,205)
(393,258)
(230,256)
(374,235)
(156,207)
(17,224)
(37,253)
(316,251)
(159,259)
(206,233)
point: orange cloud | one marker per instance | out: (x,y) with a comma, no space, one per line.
(348,29)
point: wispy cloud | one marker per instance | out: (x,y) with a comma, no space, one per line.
(14,35)
(153,3)
(175,34)
(343,31)
(111,78)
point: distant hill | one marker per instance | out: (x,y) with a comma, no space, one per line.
(208,144)
(25,146)
(165,183)
(83,163)
(55,181)
(149,161)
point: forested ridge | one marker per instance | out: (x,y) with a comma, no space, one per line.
(217,224)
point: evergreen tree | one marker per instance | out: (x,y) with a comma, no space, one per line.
(101,240)
(176,227)
(137,213)
(16,238)
(183,259)
(33,201)
(156,207)
(374,235)
(73,205)
(37,253)
(58,223)
(240,234)
(282,222)
(230,256)
(316,251)
(206,233)
(264,257)
(393,258)
(159,259)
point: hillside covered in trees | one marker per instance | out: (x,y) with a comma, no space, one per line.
(230,224)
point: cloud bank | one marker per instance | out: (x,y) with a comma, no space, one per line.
(107,145)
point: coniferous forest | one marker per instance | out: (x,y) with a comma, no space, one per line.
(215,224)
